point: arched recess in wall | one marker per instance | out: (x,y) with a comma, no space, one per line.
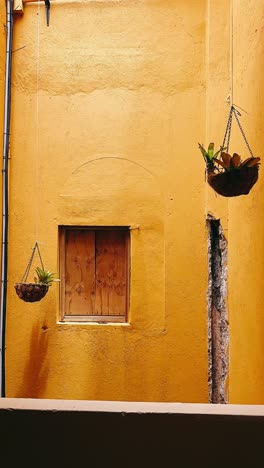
(109,190)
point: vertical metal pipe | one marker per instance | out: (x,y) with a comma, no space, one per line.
(6,138)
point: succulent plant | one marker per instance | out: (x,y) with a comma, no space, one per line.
(44,276)
(227,162)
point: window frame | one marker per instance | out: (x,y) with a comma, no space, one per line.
(62,263)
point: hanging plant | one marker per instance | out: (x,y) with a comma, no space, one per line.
(33,292)
(228,175)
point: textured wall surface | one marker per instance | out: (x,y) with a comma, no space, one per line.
(235,52)
(246,227)
(109,103)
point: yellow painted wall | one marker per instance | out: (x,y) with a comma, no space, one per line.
(246,230)
(241,217)
(109,103)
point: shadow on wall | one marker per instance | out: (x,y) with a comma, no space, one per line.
(36,372)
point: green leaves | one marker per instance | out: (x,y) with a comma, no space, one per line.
(218,152)
(44,276)
(210,151)
(204,153)
(209,155)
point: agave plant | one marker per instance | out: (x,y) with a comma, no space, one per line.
(44,276)
(33,292)
(230,163)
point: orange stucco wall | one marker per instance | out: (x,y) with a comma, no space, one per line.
(246,250)
(241,217)
(109,103)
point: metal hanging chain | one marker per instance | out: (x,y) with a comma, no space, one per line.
(236,114)
(35,248)
(227,135)
(228,131)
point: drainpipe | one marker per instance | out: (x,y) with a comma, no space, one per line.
(6,138)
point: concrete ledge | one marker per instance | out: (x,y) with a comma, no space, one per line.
(130,407)
(59,433)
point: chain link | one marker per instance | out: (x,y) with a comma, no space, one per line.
(228,131)
(40,258)
(236,113)
(227,135)
(25,276)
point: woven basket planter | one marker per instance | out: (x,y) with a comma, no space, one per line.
(234,183)
(31,292)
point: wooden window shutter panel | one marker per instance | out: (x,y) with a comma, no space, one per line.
(111,272)
(79,272)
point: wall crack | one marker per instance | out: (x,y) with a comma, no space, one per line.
(218,326)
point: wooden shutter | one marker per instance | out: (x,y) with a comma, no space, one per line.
(94,274)
(79,272)
(111,273)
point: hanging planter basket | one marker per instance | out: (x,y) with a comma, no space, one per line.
(229,176)
(34,292)
(234,183)
(31,292)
